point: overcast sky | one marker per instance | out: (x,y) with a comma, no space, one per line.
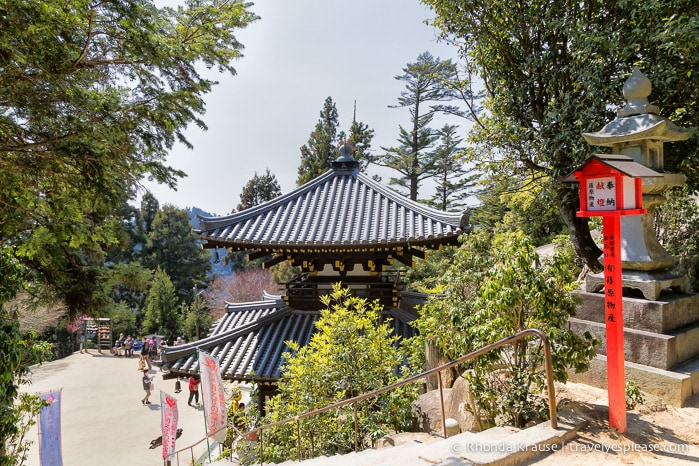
(299,53)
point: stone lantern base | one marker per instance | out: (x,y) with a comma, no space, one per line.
(650,283)
(661,343)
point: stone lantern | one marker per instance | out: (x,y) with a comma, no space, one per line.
(639,132)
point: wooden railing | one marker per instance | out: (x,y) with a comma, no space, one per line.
(548,362)
(304,292)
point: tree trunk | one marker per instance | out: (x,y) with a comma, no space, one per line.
(579,229)
(434,358)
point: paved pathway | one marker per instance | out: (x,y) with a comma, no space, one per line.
(103,420)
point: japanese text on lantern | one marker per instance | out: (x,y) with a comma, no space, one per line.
(601,193)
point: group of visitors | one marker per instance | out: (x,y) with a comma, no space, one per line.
(194,381)
(123,345)
(150,351)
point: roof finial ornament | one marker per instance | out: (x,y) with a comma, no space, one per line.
(345,152)
(636,91)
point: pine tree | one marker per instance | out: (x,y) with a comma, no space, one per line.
(259,189)
(454,183)
(425,83)
(172,247)
(321,148)
(162,310)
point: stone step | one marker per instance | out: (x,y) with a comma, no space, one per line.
(675,386)
(662,351)
(500,446)
(671,312)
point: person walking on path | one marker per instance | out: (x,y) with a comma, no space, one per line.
(145,359)
(83,343)
(193,390)
(147,386)
(152,350)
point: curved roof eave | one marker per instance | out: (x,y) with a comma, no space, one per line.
(343,208)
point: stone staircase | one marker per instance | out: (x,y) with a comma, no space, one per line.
(501,446)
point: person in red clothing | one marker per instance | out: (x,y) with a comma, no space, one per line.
(193,389)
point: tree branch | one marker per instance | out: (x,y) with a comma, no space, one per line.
(88,40)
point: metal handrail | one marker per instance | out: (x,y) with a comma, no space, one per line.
(437,370)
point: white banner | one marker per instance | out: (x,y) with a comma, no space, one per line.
(213,396)
(168,423)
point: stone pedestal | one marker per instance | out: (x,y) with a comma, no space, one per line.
(650,283)
(661,342)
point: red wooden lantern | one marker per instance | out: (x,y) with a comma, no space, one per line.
(610,187)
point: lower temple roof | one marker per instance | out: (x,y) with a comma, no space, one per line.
(251,339)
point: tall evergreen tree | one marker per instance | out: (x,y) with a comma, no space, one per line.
(172,247)
(163,313)
(454,183)
(261,188)
(321,148)
(424,85)
(149,209)
(360,136)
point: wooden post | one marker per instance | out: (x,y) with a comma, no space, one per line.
(614,320)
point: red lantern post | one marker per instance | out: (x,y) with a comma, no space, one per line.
(611,186)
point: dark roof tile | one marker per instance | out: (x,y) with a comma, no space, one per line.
(340,207)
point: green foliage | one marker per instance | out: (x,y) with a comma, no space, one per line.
(634,397)
(551,71)
(259,189)
(18,353)
(425,83)
(360,136)
(321,149)
(172,247)
(94,96)
(126,284)
(163,314)
(454,184)
(197,322)
(283,272)
(11,274)
(351,353)
(123,321)
(24,416)
(427,274)
(676,225)
(516,204)
(494,289)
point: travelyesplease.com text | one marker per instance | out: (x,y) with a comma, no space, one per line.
(616,448)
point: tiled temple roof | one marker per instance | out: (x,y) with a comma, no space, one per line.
(341,209)
(250,338)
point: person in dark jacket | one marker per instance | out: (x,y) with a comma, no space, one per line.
(145,359)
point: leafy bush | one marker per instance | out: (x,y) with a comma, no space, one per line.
(493,289)
(351,353)
(676,224)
